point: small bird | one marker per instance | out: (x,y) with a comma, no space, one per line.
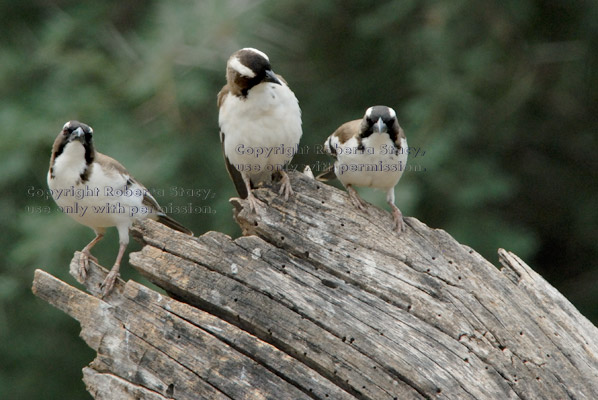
(260,123)
(97,191)
(369,152)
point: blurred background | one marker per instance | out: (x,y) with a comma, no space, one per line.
(501,98)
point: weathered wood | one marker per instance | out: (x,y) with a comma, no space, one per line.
(320,301)
(106,386)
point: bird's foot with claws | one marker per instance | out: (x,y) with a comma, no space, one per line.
(285,186)
(254,203)
(397,217)
(84,263)
(356,200)
(109,282)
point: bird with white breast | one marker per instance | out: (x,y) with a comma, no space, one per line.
(260,124)
(97,191)
(370,152)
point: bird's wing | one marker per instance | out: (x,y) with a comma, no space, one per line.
(110,164)
(235,175)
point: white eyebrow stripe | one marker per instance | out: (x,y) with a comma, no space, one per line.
(236,64)
(261,53)
(368,113)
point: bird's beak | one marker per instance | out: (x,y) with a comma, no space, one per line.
(78,134)
(271,77)
(380,126)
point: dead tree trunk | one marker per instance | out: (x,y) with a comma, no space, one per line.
(320,301)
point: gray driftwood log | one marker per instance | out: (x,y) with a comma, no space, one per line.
(318,301)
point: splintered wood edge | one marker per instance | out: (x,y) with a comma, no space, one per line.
(547,295)
(63,296)
(83,307)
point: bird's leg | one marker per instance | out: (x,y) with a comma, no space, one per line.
(355,199)
(397,216)
(285,185)
(254,203)
(108,283)
(86,256)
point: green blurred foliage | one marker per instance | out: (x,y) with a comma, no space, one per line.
(500,98)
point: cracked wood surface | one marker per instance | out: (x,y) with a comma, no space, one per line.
(320,301)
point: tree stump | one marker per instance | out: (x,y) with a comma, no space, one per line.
(321,301)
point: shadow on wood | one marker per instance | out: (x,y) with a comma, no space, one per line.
(320,301)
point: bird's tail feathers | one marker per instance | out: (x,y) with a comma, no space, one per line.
(171,223)
(327,175)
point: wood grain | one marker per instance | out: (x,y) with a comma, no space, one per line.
(320,301)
